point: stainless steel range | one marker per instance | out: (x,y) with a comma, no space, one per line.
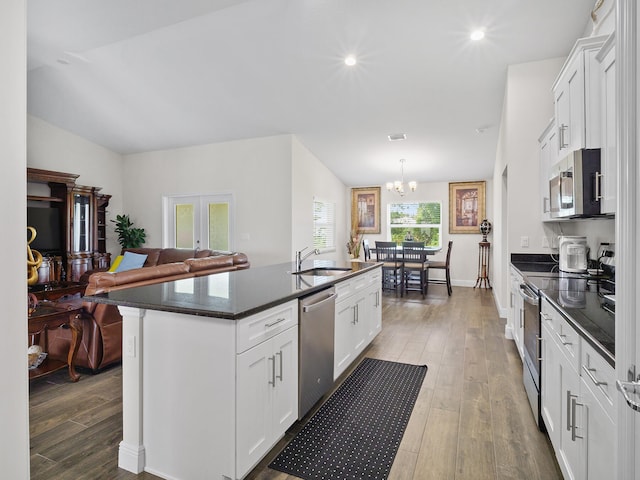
(574,292)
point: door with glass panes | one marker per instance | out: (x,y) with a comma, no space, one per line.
(199,221)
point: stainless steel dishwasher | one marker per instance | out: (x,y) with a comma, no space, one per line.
(316,331)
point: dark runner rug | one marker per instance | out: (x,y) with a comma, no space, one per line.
(356,433)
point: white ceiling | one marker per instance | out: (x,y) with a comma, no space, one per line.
(143,75)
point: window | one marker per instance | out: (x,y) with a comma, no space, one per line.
(324,225)
(420,221)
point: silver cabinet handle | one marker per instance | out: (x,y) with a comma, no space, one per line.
(598,180)
(546,317)
(574,403)
(561,131)
(625,388)
(589,373)
(521,318)
(313,306)
(355,320)
(273,371)
(569,410)
(279,377)
(280,320)
(562,337)
(538,347)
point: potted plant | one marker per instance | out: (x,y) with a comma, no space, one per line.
(128,235)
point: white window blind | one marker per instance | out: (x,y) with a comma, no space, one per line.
(324,224)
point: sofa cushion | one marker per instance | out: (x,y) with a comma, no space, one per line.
(130,261)
(172,255)
(115,263)
(208,263)
(151,253)
(105,281)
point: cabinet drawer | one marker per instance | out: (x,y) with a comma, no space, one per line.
(599,377)
(562,333)
(260,327)
(344,289)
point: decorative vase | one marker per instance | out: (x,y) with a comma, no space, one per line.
(485,229)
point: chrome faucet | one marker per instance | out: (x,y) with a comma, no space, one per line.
(300,258)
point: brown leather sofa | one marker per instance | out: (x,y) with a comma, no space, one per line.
(102,329)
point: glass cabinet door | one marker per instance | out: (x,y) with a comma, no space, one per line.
(82,241)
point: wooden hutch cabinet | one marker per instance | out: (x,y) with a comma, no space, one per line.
(76,225)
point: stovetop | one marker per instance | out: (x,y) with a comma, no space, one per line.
(589,300)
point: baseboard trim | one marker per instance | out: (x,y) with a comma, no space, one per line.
(131,457)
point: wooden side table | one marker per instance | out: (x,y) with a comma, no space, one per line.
(483,265)
(49,317)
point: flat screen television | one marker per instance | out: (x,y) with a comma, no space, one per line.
(48,224)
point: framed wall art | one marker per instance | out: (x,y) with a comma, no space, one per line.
(466,206)
(365,209)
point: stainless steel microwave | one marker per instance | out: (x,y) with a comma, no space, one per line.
(574,186)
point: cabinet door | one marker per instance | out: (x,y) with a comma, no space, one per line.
(548,157)
(608,151)
(551,390)
(360,330)
(572,426)
(285,392)
(600,436)
(345,321)
(253,408)
(518,315)
(374,310)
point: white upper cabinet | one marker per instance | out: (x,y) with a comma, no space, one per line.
(607,184)
(548,157)
(576,94)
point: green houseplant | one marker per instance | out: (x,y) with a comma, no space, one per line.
(128,235)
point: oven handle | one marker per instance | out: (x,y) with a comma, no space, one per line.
(531,299)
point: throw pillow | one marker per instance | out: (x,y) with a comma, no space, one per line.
(115,263)
(130,261)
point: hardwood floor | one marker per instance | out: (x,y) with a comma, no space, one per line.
(471,421)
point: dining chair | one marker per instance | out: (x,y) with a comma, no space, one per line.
(415,268)
(366,249)
(443,266)
(387,253)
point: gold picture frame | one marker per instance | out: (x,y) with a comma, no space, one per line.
(466,206)
(365,209)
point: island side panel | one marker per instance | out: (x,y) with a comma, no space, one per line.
(188,395)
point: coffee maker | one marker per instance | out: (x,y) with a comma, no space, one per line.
(573,254)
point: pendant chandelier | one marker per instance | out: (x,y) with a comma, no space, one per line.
(398,185)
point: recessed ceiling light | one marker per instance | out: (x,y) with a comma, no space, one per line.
(477,35)
(350,60)
(394,137)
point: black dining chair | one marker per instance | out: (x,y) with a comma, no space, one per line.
(387,253)
(366,249)
(443,266)
(415,268)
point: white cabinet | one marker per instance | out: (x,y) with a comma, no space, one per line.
(548,157)
(578,388)
(266,385)
(358,317)
(576,97)
(516,310)
(607,184)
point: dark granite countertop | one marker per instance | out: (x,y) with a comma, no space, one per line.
(578,297)
(232,295)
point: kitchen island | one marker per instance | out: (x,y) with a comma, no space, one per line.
(210,364)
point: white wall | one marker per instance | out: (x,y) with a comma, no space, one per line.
(52,148)
(257,172)
(14,400)
(311,178)
(464,255)
(527,109)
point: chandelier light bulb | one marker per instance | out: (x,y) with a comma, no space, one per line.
(398,185)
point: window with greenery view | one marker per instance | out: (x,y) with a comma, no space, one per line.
(324,225)
(421,220)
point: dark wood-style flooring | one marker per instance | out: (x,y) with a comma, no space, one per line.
(471,420)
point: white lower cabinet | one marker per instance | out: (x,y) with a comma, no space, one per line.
(577,400)
(266,395)
(358,317)
(516,311)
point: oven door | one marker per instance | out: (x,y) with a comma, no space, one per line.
(531,367)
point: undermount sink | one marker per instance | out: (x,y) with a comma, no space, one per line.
(323,271)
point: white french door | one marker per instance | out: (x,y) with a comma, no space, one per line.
(198,221)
